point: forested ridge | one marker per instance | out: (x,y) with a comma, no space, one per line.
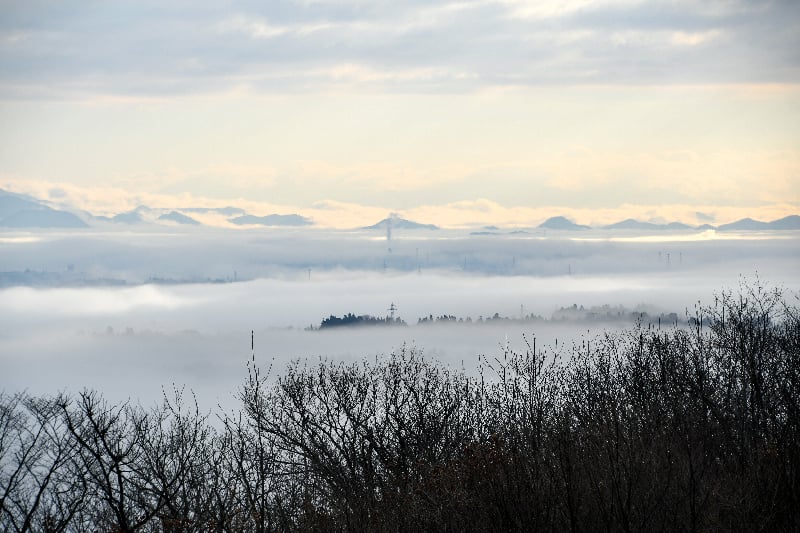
(691,428)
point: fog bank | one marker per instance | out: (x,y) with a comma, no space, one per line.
(127,336)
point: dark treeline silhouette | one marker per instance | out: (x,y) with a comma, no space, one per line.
(607,313)
(679,429)
(359,320)
(603,314)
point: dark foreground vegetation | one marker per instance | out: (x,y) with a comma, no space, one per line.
(692,429)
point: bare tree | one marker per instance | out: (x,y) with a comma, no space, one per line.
(692,428)
(38,488)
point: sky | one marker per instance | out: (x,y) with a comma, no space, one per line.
(485,111)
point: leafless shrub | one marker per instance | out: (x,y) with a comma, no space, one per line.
(39,490)
(689,429)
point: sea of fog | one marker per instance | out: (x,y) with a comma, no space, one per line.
(131,313)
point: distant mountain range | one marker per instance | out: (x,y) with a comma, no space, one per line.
(636,225)
(21,211)
(180,218)
(785,223)
(792,222)
(132,217)
(400,223)
(561,223)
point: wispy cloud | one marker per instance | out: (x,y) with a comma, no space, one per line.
(154,49)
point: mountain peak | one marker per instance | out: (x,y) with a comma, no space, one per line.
(401,223)
(180,218)
(561,223)
(22,211)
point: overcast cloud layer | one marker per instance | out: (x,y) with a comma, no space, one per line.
(604,109)
(154,48)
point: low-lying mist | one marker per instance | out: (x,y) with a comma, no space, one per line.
(99,323)
(87,258)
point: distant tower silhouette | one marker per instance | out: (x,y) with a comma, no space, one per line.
(390,222)
(392,309)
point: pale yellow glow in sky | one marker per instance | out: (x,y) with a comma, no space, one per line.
(578,148)
(458,111)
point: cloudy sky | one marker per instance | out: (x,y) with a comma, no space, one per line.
(503,111)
